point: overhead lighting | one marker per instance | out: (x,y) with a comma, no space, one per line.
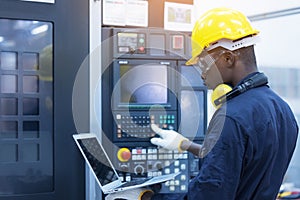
(39,29)
(275,14)
(1,39)
(41,1)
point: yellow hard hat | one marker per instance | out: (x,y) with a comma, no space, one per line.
(217,24)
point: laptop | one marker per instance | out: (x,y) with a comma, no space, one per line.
(105,173)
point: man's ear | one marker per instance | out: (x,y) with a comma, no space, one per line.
(229,58)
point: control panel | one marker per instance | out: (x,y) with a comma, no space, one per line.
(135,126)
(144,82)
(137,162)
(133,43)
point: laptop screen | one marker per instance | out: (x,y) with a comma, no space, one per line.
(98,160)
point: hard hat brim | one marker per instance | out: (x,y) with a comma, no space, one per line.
(192,61)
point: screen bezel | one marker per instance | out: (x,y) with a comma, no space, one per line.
(117,104)
(196,86)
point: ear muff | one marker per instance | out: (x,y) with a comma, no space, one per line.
(219,91)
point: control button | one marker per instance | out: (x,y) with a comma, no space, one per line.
(183,177)
(171,127)
(182,166)
(167,171)
(124,168)
(183,188)
(138,157)
(172,182)
(139,170)
(118,116)
(134,157)
(159,166)
(177,42)
(141,49)
(128,178)
(124,154)
(167,183)
(141,40)
(139,151)
(167,163)
(132,50)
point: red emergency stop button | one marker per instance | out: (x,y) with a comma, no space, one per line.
(124,154)
(141,49)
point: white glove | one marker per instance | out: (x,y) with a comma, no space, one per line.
(169,139)
(133,194)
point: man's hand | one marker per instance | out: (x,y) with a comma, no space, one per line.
(169,139)
(134,194)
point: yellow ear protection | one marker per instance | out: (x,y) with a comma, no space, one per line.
(218,92)
(220,96)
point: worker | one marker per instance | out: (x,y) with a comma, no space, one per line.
(252,135)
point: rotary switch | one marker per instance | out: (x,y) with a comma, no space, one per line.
(139,170)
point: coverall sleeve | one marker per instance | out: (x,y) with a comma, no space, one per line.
(220,171)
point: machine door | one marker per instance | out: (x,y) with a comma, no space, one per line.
(42,46)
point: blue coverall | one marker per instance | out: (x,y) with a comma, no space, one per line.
(248,147)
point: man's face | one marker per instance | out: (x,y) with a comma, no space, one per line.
(208,63)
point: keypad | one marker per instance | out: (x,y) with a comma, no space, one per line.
(138,126)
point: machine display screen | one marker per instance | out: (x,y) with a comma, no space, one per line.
(192,114)
(143,84)
(127,39)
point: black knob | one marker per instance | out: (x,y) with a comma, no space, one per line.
(159,166)
(139,170)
